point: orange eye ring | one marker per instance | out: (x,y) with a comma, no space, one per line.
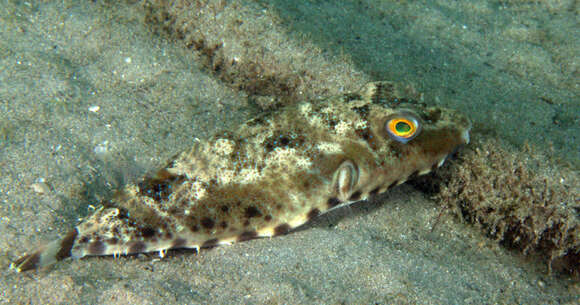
(403,126)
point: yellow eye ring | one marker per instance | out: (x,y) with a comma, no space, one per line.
(403,126)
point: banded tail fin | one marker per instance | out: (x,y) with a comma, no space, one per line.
(53,252)
(108,231)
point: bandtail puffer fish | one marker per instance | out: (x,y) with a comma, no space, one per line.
(272,174)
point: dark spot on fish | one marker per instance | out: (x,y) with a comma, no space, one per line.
(246,223)
(123,213)
(383,93)
(161,186)
(362,111)
(268,217)
(255,121)
(96,248)
(207,223)
(331,123)
(225,208)
(268,146)
(167,235)
(433,116)
(171,162)
(247,235)
(66,245)
(349,97)
(223,225)
(252,211)
(332,202)
(367,135)
(83,240)
(313,213)
(282,229)
(178,243)
(210,243)
(355,196)
(291,140)
(176,211)
(28,262)
(112,241)
(137,247)
(284,140)
(147,232)
(194,228)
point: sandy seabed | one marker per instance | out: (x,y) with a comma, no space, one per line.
(93,96)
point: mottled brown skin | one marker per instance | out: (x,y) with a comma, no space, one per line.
(267,177)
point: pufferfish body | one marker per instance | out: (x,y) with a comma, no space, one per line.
(272,174)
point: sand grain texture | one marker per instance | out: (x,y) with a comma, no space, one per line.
(59,153)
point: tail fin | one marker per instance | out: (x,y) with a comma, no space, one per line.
(108,231)
(47,255)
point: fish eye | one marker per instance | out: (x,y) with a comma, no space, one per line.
(403,126)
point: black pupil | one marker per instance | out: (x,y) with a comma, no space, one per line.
(402,127)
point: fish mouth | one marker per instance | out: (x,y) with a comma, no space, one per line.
(465,136)
(465,133)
